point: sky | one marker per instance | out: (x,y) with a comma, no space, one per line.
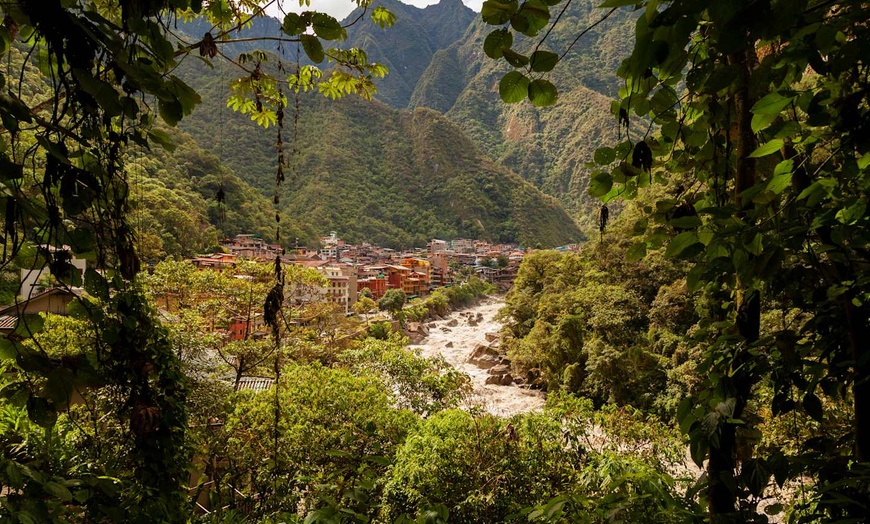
(341,8)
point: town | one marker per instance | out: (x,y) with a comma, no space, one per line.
(350,269)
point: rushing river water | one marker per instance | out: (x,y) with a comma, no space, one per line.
(456,343)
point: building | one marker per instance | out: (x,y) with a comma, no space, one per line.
(251,247)
(342,286)
(215,261)
(377,285)
(53,300)
(32,279)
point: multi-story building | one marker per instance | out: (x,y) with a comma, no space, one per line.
(342,286)
(422,268)
(438,246)
(252,247)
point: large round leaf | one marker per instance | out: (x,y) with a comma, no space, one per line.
(542,93)
(543,61)
(313,48)
(497,13)
(327,27)
(514,87)
(496,42)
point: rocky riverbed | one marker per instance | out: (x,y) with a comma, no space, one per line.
(468,341)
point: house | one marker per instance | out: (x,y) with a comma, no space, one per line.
(30,277)
(215,261)
(53,300)
(251,247)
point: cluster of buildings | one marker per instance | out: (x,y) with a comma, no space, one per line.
(351,268)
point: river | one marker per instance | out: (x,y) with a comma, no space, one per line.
(456,343)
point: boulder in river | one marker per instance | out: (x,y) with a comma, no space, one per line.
(453,322)
(485,361)
(499,369)
(493,380)
(480,350)
(491,337)
(507,380)
(448,345)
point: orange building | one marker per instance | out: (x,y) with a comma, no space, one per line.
(377,285)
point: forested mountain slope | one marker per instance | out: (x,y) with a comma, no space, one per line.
(547,146)
(376,174)
(436,60)
(408,47)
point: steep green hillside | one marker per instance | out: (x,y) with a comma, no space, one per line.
(407,48)
(376,174)
(547,146)
(174,206)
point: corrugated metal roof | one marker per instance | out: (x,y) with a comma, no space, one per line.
(255,383)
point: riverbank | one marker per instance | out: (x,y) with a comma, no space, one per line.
(456,336)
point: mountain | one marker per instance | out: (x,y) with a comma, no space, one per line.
(436,60)
(373,173)
(547,146)
(408,46)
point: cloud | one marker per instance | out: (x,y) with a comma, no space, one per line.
(341,8)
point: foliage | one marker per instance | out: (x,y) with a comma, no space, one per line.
(423,385)
(335,436)
(592,323)
(761,119)
(393,301)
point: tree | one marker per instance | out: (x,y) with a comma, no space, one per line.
(393,301)
(363,306)
(84,82)
(761,118)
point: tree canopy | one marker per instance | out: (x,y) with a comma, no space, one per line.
(754,118)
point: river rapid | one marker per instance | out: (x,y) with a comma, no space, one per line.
(455,343)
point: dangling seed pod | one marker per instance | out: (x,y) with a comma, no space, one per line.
(603,215)
(642,156)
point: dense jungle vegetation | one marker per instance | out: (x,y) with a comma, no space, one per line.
(724,311)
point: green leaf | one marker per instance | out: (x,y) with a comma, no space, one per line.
(636,252)
(496,42)
(40,411)
(25,517)
(542,93)
(772,104)
(327,27)
(515,59)
(383,17)
(543,61)
(766,149)
(170,111)
(293,24)
(604,155)
(7,350)
(687,222)
(534,16)
(756,246)
(600,184)
(864,161)
(494,12)
(762,122)
(58,491)
(781,177)
(813,406)
(680,243)
(513,87)
(313,48)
